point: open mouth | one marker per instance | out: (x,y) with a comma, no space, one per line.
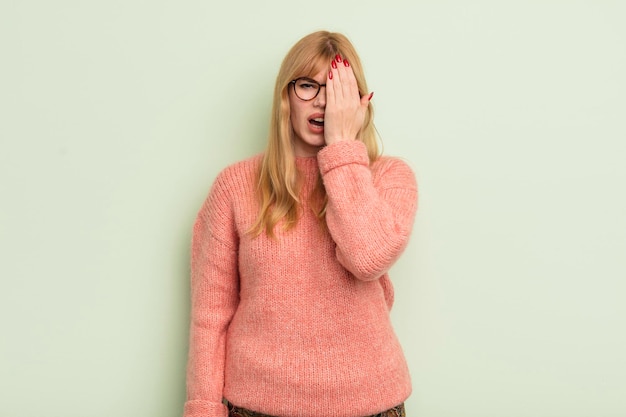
(317,121)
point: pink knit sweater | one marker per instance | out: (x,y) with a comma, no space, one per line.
(299,326)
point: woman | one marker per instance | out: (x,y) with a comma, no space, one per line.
(290,253)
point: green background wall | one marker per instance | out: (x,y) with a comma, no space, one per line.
(115,117)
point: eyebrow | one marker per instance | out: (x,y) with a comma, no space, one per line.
(311,79)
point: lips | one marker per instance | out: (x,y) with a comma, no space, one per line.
(317,119)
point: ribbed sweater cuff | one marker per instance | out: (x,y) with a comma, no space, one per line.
(342,153)
(200,408)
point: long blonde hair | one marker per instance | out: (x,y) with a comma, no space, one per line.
(278,177)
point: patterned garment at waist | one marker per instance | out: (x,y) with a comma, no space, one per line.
(234,411)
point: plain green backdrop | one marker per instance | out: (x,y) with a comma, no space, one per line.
(116,116)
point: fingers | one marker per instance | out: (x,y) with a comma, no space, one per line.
(343,79)
(342,83)
(345,109)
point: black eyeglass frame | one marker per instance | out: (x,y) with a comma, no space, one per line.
(312,81)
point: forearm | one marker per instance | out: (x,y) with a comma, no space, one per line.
(369,217)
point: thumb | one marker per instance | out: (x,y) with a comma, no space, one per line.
(366,99)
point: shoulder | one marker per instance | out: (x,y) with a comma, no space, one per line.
(232,183)
(391,169)
(238,176)
(242,169)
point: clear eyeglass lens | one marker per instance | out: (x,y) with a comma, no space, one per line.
(307,89)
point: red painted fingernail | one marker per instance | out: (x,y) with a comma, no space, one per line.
(330,75)
(333,64)
(337,58)
(345,62)
(371,95)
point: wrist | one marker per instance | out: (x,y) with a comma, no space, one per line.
(331,140)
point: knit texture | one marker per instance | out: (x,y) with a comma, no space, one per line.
(298,326)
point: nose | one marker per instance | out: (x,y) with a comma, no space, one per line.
(320,99)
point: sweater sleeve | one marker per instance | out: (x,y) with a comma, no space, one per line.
(214,299)
(370,213)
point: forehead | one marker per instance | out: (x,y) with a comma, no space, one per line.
(315,69)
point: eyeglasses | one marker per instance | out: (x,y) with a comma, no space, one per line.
(305,88)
